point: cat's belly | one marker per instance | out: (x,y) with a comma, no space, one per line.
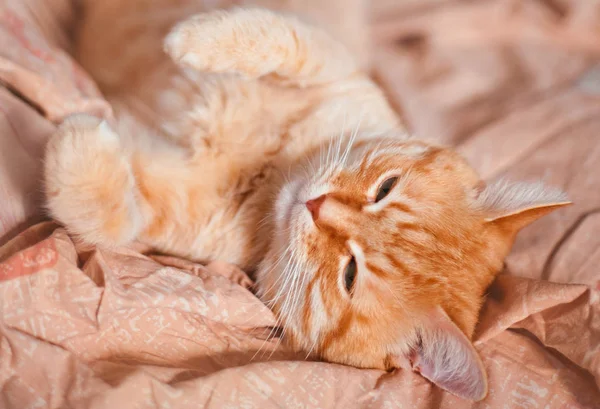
(211,210)
(209,184)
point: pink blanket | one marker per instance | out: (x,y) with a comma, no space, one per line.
(515,85)
(100,329)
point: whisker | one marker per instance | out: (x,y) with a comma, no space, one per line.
(391,292)
(288,306)
(352,138)
(286,275)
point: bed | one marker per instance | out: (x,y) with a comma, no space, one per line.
(513,85)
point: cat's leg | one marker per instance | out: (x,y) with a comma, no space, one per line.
(258,43)
(89,183)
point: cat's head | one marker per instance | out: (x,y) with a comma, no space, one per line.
(381,257)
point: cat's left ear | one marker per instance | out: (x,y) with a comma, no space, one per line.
(512,206)
(446,357)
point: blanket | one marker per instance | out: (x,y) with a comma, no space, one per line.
(89,328)
(514,85)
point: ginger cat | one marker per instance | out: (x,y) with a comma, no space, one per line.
(274,152)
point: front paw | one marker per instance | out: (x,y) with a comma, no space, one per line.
(80,134)
(239,41)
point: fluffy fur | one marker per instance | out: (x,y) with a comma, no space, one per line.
(270,114)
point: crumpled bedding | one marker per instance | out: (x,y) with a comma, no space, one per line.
(39,86)
(514,85)
(89,328)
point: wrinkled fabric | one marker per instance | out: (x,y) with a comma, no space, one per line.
(40,86)
(34,59)
(90,328)
(514,85)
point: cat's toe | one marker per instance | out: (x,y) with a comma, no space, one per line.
(81,130)
(176,43)
(191,42)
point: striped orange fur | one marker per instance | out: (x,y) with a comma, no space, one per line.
(274,152)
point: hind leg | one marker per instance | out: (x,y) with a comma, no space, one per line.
(90,187)
(258,43)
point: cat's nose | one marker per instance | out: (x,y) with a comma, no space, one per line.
(313,206)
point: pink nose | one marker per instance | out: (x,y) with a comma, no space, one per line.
(313,206)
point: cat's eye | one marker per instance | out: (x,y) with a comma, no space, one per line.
(350,274)
(385,188)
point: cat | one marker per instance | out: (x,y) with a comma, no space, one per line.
(373,248)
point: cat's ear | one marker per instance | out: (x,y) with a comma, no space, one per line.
(512,206)
(446,357)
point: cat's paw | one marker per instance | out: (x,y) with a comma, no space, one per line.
(89,183)
(80,132)
(250,42)
(257,43)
